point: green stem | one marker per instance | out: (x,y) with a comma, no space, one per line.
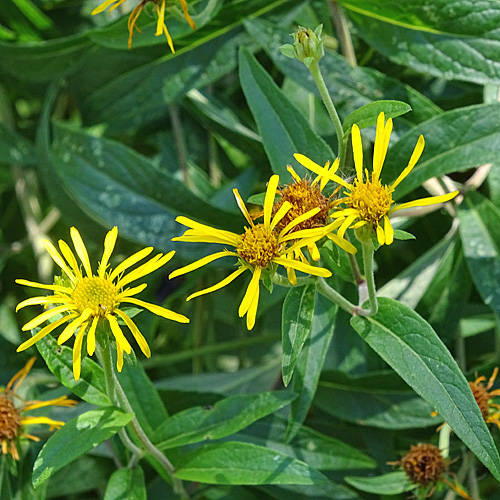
(342,29)
(444,440)
(280,280)
(368,252)
(335,297)
(330,107)
(114,389)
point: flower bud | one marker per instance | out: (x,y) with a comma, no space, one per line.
(307,47)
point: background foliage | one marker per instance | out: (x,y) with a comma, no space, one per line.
(95,135)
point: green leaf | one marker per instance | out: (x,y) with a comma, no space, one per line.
(283,129)
(480,233)
(117,186)
(77,437)
(126,484)
(297,314)
(243,463)
(393,483)
(143,397)
(367,115)
(91,386)
(351,87)
(318,450)
(454,141)
(329,491)
(411,347)
(377,399)
(14,148)
(310,363)
(460,57)
(401,235)
(224,418)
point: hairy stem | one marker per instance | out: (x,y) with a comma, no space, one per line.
(368,252)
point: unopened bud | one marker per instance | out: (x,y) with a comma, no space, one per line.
(307,46)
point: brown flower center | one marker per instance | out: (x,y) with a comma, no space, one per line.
(303,196)
(482,396)
(95,293)
(371,199)
(10,419)
(424,464)
(258,246)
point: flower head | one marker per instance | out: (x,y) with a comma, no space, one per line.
(160,6)
(85,299)
(307,46)
(484,398)
(12,418)
(367,201)
(262,247)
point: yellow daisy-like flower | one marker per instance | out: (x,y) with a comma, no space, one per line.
(12,418)
(89,298)
(367,201)
(161,27)
(260,247)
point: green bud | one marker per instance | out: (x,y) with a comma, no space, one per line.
(307,46)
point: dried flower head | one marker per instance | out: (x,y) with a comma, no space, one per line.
(484,398)
(12,418)
(424,465)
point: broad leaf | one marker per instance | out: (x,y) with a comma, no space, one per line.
(283,129)
(127,484)
(393,483)
(243,463)
(297,314)
(480,232)
(224,418)
(412,348)
(77,437)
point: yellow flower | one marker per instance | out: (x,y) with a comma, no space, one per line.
(260,247)
(88,299)
(368,201)
(12,420)
(160,6)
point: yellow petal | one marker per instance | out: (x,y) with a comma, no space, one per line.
(305,268)
(317,169)
(388,230)
(147,268)
(70,258)
(283,210)
(423,202)
(71,328)
(219,285)
(357,148)
(380,235)
(200,263)
(130,261)
(54,288)
(51,249)
(252,310)
(109,245)
(242,206)
(417,152)
(45,316)
(160,10)
(28,420)
(129,292)
(298,220)
(118,334)
(81,250)
(377,148)
(46,299)
(45,331)
(158,310)
(201,229)
(91,336)
(345,225)
(342,243)
(119,357)
(103,7)
(186,14)
(294,174)
(77,352)
(252,289)
(141,341)
(20,375)
(117,4)
(272,185)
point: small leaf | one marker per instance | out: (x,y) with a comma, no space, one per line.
(283,129)
(91,386)
(298,310)
(367,115)
(126,484)
(399,234)
(412,348)
(224,418)
(480,233)
(393,483)
(243,463)
(77,437)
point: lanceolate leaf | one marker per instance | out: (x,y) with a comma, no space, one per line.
(412,348)
(91,386)
(127,484)
(283,129)
(454,141)
(393,483)
(243,463)
(76,438)
(298,310)
(480,232)
(224,418)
